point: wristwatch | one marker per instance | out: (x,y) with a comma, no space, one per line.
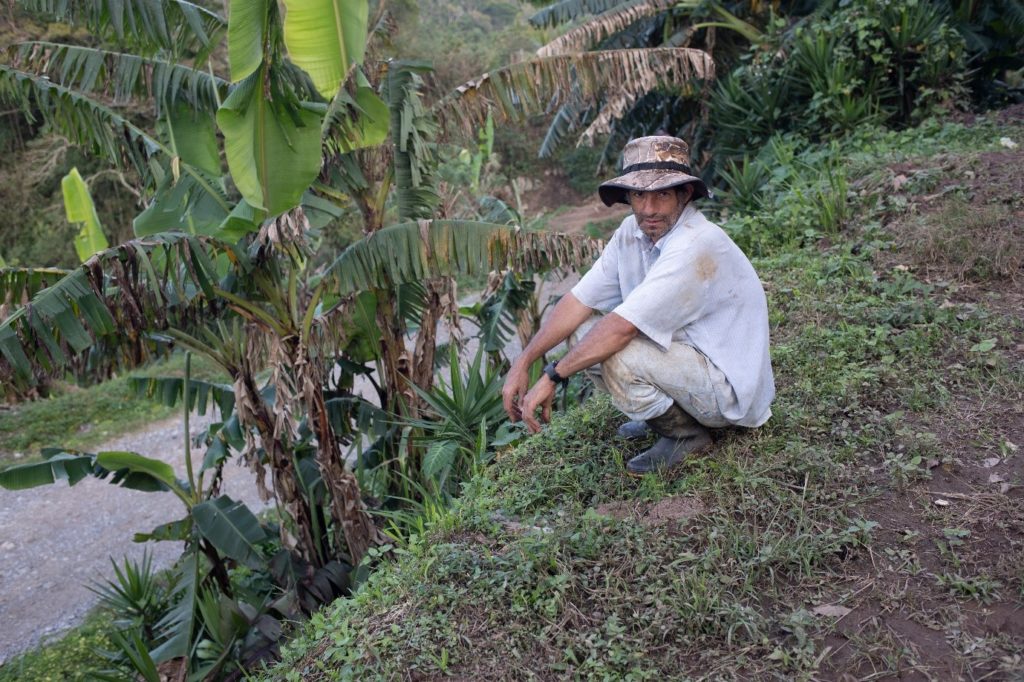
(553,374)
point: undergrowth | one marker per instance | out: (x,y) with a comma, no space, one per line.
(528,572)
(555,564)
(68,659)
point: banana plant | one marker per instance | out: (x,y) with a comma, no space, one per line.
(214,526)
(312,116)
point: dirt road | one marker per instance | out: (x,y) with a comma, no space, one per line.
(56,540)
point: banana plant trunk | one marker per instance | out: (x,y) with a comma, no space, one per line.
(357,528)
(252,410)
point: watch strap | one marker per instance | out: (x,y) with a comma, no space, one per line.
(553,374)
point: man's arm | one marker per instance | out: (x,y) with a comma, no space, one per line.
(610,335)
(568,314)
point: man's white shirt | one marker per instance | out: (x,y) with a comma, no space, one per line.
(692,286)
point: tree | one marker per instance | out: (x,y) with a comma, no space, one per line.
(312,117)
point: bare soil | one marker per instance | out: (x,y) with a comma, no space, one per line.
(575,219)
(570,211)
(667,511)
(959,532)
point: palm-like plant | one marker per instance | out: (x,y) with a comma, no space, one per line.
(307,117)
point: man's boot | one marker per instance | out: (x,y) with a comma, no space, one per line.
(633,430)
(681,435)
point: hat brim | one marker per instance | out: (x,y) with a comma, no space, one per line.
(614,191)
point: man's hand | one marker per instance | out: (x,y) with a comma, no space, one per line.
(541,395)
(517,381)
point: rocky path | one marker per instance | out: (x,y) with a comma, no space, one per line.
(57,540)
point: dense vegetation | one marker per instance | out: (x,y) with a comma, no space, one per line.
(255,159)
(811,548)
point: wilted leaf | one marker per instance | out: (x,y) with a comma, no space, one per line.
(984,346)
(832,610)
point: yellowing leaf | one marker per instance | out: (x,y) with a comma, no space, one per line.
(80,210)
(325,37)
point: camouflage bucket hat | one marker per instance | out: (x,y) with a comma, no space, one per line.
(652,163)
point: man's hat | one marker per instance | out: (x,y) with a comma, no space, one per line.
(652,163)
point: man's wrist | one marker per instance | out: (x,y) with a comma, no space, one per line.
(552,373)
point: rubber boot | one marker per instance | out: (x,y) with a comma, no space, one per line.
(681,435)
(633,430)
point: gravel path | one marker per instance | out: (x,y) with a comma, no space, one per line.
(56,540)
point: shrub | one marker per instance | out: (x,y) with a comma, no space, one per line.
(876,62)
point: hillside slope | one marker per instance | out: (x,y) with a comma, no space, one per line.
(873,529)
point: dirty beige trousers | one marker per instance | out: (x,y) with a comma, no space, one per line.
(643,380)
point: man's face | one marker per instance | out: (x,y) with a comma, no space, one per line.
(657,211)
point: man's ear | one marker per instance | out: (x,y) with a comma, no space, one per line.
(687,192)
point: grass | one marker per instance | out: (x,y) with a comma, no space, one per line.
(71,658)
(81,418)
(807,549)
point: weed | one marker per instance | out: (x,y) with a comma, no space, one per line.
(981,588)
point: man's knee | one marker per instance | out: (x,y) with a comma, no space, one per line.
(632,362)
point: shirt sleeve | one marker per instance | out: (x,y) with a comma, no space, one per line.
(672,296)
(599,288)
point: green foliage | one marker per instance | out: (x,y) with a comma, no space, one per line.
(36,231)
(791,193)
(581,167)
(73,657)
(863,64)
(464,39)
(466,417)
(81,211)
(136,596)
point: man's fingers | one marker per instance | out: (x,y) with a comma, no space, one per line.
(510,397)
(511,402)
(531,422)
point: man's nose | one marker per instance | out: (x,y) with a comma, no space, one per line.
(644,203)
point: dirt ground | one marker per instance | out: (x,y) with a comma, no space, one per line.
(569,211)
(962,528)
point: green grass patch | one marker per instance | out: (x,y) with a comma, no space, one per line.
(81,418)
(71,658)
(557,563)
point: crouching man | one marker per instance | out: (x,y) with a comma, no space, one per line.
(683,343)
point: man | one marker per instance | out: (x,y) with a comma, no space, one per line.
(683,343)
